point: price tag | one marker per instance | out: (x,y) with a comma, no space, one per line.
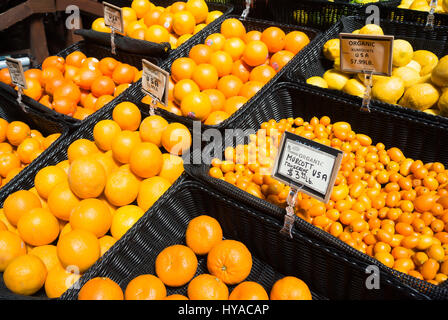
(366,53)
(16,71)
(155,82)
(306,165)
(113,17)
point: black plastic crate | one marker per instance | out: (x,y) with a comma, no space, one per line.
(393,13)
(329,273)
(313,62)
(251,24)
(52,156)
(417,139)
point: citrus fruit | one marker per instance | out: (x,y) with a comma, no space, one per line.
(255,53)
(296,41)
(290,288)
(420,96)
(229,85)
(231,28)
(47,178)
(172,167)
(86,178)
(182,68)
(124,218)
(106,242)
(19,203)
(176,265)
(199,9)
(100,26)
(176,138)
(388,89)
(183,23)
(207,287)
(184,87)
(104,133)
(234,47)
(234,103)
(145,287)
(196,105)
(151,129)
(262,74)
(100,289)
(402,53)
(150,190)
(91,215)
(274,38)
(25,275)
(215,41)
(38,227)
(248,290)
(146,160)
(58,281)
(217,99)
(354,87)
(202,234)
(280,59)
(127,115)
(123,73)
(371,29)
(16,132)
(176,297)
(206,76)
(80,148)
(123,144)
(11,247)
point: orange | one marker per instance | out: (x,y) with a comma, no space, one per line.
(106,242)
(176,139)
(64,165)
(182,68)
(65,106)
(80,148)
(70,72)
(128,14)
(3,226)
(123,73)
(255,53)
(127,115)
(75,59)
(172,167)
(183,88)
(102,86)
(5,77)
(296,41)
(202,234)
(86,178)
(145,287)
(34,89)
(19,203)
(100,26)
(171,108)
(156,33)
(5,147)
(215,41)
(61,201)
(152,16)
(199,9)
(25,275)
(176,297)
(274,38)
(183,23)
(120,89)
(151,129)
(78,248)
(11,174)
(200,53)
(262,74)
(212,16)
(250,88)
(290,288)
(47,178)
(138,34)
(222,61)
(89,101)
(206,76)
(100,289)
(280,59)
(252,35)
(58,281)
(11,247)
(35,74)
(166,21)
(230,261)
(17,131)
(85,77)
(235,47)
(176,265)
(38,227)
(217,99)
(102,101)
(122,187)
(104,133)
(232,27)
(48,254)
(124,218)
(241,70)
(151,190)
(196,105)
(27,148)
(123,144)
(54,61)
(9,162)
(146,160)
(207,287)
(91,215)
(249,290)
(51,73)
(182,39)
(3,127)
(141,7)
(229,85)
(178,6)
(216,117)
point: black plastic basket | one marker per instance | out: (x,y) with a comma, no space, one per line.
(391,12)
(415,137)
(320,14)
(313,62)
(250,24)
(329,272)
(55,154)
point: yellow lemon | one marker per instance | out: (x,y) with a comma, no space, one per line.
(434,112)
(331,49)
(445,5)
(402,53)
(442,104)
(414,65)
(317,81)
(335,79)
(420,96)
(372,29)
(439,75)
(389,89)
(427,61)
(420,5)
(354,87)
(408,75)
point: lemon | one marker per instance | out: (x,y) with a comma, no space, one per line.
(335,79)
(331,49)
(372,29)
(445,5)
(389,89)
(434,112)
(420,96)
(317,81)
(439,74)
(337,64)
(414,65)
(443,103)
(354,87)
(356,31)
(427,61)
(420,5)
(408,75)
(402,53)
(439,8)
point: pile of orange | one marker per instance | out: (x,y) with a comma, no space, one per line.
(78,85)
(390,207)
(174,24)
(19,146)
(81,206)
(229,262)
(221,75)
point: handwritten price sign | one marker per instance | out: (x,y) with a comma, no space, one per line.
(155,82)
(113,17)
(16,71)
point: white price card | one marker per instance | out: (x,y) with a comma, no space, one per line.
(306,165)
(155,82)
(113,17)
(366,53)
(16,71)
